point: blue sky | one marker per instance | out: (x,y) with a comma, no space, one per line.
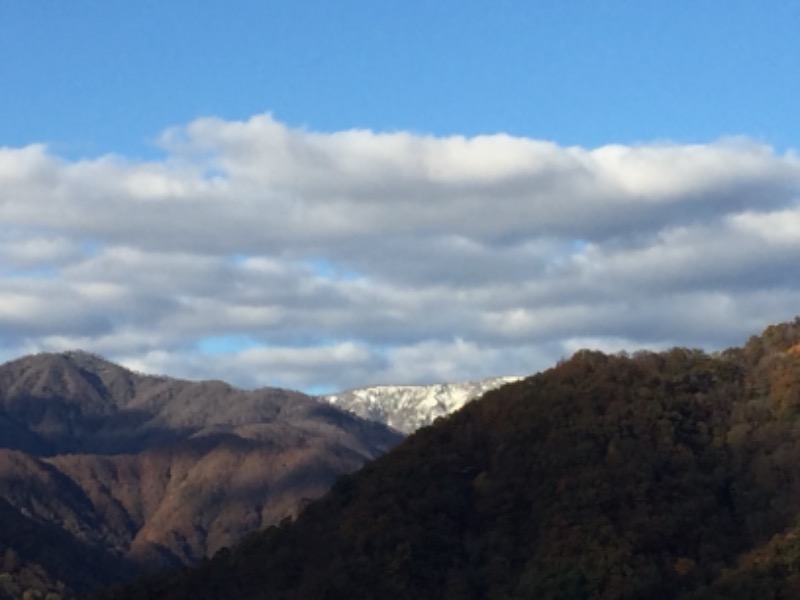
(322,195)
(94,77)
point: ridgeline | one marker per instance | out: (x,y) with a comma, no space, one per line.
(655,475)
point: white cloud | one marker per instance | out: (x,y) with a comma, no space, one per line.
(358,257)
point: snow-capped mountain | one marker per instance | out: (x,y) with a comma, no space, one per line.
(409,407)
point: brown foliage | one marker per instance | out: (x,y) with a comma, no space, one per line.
(669,475)
(152,472)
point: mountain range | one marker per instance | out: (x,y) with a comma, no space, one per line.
(670,475)
(136,473)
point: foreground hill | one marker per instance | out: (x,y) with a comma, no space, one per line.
(134,472)
(409,407)
(671,475)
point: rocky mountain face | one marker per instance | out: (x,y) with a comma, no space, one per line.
(146,472)
(409,407)
(670,475)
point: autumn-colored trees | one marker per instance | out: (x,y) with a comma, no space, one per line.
(657,475)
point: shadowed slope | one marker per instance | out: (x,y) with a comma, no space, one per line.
(653,476)
(157,471)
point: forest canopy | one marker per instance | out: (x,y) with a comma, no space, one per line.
(652,475)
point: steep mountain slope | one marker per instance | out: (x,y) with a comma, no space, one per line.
(38,556)
(151,472)
(409,407)
(671,475)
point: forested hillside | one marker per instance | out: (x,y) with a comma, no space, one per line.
(105,473)
(655,475)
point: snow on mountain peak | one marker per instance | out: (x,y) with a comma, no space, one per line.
(409,407)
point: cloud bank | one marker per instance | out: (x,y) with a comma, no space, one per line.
(267,255)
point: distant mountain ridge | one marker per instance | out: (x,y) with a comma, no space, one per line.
(150,471)
(409,407)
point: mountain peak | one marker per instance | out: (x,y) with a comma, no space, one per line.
(86,359)
(154,471)
(409,407)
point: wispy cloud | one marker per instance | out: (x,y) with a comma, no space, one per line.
(356,257)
